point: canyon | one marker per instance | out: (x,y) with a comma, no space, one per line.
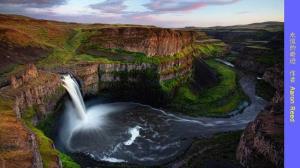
(132,63)
(151,41)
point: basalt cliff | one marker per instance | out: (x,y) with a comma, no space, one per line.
(151,41)
(100,57)
(145,63)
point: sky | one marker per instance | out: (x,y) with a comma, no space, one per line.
(163,13)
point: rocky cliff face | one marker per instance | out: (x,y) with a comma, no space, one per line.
(19,146)
(166,70)
(262,140)
(32,87)
(110,72)
(151,41)
(175,68)
(88,76)
(39,88)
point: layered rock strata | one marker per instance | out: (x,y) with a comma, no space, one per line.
(262,140)
(19,145)
(151,41)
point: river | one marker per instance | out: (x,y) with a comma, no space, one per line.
(139,134)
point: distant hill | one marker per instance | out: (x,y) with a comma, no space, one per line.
(268,26)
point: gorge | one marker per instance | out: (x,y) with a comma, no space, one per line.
(84,95)
(139,134)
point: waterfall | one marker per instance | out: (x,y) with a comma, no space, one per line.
(72,87)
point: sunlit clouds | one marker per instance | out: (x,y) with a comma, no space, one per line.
(165,13)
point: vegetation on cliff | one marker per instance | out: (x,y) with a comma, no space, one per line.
(68,44)
(15,150)
(218,100)
(48,153)
(209,50)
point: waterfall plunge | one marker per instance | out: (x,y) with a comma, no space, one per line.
(73,89)
(79,122)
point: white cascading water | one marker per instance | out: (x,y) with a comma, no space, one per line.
(72,87)
(78,119)
(137,133)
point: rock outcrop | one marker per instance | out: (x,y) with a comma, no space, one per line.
(88,75)
(262,141)
(39,88)
(19,145)
(109,72)
(175,68)
(151,41)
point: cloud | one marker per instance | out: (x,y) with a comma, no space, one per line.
(110,6)
(32,3)
(165,13)
(183,5)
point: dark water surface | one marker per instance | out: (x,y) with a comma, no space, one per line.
(139,134)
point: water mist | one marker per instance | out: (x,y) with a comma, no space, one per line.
(136,133)
(76,119)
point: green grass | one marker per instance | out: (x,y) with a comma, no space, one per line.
(169,85)
(208,50)
(227,84)
(90,58)
(92,52)
(67,161)
(48,153)
(218,100)
(187,94)
(96,51)
(45,144)
(66,52)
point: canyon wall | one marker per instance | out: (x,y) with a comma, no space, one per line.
(33,89)
(203,75)
(175,68)
(151,41)
(18,144)
(263,140)
(88,76)
(40,89)
(109,72)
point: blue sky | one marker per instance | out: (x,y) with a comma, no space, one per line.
(164,13)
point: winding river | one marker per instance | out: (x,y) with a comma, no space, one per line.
(139,134)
